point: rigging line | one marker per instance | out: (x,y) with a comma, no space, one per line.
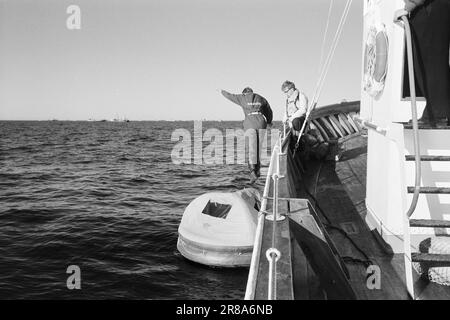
(332,50)
(325,69)
(333,44)
(325,37)
(334,40)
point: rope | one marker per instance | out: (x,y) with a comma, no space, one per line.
(325,37)
(331,52)
(326,67)
(412,89)
(345,234)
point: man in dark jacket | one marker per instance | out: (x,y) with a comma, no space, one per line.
(430,26)
(258,115)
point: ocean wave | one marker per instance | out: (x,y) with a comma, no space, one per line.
(109,199)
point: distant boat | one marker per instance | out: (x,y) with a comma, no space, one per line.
(120,120)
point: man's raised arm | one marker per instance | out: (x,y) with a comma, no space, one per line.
(236,98)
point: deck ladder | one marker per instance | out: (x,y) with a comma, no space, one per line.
(432,260)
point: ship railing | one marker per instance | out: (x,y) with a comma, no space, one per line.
(254,264)
(275,172)
(273,254)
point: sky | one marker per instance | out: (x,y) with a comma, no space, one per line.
(168,59)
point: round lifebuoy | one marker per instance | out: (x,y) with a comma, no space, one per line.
(375,59)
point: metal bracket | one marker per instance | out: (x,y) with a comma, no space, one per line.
(279,217)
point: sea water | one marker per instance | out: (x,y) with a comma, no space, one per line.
(106,197)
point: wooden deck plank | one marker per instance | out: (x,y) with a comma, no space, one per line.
(300,273)
(343,187)
(316,291)
(313,242)
(341,194)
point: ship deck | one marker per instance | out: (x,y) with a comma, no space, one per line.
(340,188)
(326,245)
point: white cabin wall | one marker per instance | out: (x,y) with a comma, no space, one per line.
(389,106)
(386,197)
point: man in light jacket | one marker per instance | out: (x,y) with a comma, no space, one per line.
(296,105)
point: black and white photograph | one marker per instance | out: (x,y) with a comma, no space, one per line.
(223,154)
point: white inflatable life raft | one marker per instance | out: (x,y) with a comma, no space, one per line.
(218,229)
